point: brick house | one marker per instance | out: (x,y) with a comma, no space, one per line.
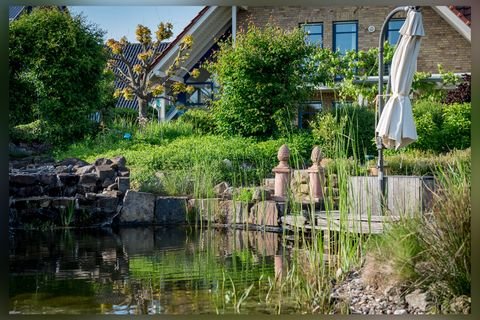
(447,40)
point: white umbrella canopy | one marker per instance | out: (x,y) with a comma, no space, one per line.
(396,126)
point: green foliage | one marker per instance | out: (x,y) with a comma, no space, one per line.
(201,119)
(262,80)
(354,125)
(441,127)
(56,66)
(30,132)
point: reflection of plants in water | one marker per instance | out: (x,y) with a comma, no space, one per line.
(66,213)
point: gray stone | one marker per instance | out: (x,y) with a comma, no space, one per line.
(63,169)
(417,300)
(48,179)
(400,312)
(72,162)
(171,210)
(88,178)
(220,188)
(123,183)
(85,169)
(103,162)
(138,207)
(107,203)
(90,196)
(261,194)
(68,179)
(105,172)
(269,183)
(23,179)
(112,187)
(124,173)
(119,162)
(107,182)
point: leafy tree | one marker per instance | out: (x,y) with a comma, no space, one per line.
(261,81)
(56,65)
(136,74)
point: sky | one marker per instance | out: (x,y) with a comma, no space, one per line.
(119,21)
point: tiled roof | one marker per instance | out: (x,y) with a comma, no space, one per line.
(131,52)
(14,12)
(463,12)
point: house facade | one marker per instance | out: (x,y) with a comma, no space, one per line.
(447,38)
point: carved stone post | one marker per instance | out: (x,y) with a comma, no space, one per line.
(316,175)
(282,173)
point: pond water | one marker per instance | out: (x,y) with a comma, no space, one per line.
(148,271)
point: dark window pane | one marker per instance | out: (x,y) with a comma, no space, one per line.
(346,27)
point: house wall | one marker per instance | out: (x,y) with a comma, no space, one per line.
(442,44)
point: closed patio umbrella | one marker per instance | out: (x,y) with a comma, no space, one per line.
(396,127)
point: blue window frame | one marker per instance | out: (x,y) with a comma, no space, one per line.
(345,36)
(314,33)
(393,27)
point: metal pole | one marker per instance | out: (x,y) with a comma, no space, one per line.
(381,66)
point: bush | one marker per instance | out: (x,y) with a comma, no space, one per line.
(442,127)
(262,80)
(56,65)
(200,119)
(31,132)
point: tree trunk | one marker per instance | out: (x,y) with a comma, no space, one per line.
(142,110)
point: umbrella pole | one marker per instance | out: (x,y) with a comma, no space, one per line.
(378,139)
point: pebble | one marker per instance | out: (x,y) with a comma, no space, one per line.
(400,311)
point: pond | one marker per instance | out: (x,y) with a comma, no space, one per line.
(151,270)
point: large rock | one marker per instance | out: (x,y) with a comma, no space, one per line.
(138,208)
(85,169)
(171,210)
(261,194)
(207,209)
(72,162)
(264,213)
(68,179)
(105,172)
(123,183)
(119,163)
(23,179)
(220,188)
(107,203)
(235,212)
(103,162)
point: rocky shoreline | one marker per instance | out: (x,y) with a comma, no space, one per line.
(361,298)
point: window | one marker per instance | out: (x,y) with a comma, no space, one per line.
(314,33)
(345,36)
(203,93)
(341,104)
(307,111)
(394,26)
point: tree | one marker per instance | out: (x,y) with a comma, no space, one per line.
(136,75)
(56,65)
(262,79)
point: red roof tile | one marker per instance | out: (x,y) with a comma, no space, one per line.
(463,12)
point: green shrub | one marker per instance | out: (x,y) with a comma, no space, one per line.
(262,81)
(200,119)
(59,61)
(31,132)
(456,126)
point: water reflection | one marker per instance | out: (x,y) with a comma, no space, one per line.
(143,271)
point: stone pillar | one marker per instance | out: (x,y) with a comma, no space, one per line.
(282,173)
(316,175)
